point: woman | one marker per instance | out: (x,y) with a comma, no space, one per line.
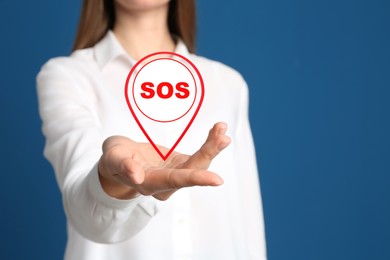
(121,200)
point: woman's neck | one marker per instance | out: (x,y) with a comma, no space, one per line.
(142,32)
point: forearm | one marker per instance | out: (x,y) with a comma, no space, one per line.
(74,137)
(101,218)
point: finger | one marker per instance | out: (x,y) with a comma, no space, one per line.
(163,179)
(215,143)
(132,171)
(121,182)
(120,163)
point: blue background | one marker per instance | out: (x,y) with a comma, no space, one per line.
(319,78)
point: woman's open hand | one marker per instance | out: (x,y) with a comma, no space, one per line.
(128,169)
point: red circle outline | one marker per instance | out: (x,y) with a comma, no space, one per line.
(135,101)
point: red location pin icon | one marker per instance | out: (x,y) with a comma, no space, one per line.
(164,92)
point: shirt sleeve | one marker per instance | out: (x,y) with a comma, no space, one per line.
(250,198)
(73,146)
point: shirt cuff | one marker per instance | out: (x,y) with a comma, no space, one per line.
(147,203)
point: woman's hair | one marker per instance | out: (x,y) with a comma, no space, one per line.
(98,16)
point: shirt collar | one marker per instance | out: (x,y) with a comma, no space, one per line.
(109,48)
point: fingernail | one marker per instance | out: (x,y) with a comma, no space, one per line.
(219,182)
(222,130)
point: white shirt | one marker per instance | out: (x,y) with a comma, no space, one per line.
(81,101)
